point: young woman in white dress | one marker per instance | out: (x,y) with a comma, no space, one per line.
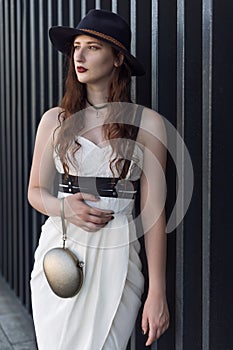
(103,314)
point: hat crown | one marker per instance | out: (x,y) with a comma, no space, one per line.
(107,23)
(103,25)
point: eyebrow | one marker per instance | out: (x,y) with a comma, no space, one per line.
(90,42)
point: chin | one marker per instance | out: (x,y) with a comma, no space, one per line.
(82,79)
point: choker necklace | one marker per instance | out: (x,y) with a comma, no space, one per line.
(98,114)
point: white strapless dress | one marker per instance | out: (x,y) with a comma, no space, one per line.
(103,314)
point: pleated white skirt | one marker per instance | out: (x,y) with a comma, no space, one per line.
(103,314)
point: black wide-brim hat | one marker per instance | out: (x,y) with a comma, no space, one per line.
(103,25)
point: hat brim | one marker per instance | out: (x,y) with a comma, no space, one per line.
(62,39)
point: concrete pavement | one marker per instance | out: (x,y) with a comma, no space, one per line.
(16,326)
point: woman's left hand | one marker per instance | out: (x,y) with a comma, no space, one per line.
(155,317)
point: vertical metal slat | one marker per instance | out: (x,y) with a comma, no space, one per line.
(41,41)
(60,58)
(207,20)
(19,154)
(180,160)
(154,73)
(3,143)
(133,43)
(71,14)
(50,56)
(8,141)
(98,4)
(154,55)
(83,8)
(25,272)
(14,257)
(114,6)
(33,103)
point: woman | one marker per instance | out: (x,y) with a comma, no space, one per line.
(80,138)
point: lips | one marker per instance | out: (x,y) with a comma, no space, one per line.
(81,69)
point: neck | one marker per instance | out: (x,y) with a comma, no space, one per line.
(97,95)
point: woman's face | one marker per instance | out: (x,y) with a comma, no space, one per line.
(94,60)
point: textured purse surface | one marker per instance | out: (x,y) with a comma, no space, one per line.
(63,271)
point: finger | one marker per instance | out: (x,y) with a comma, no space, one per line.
(163,330)
(144,325)
(98,220)
(86,196)
(105,213)
(159,333)
(90,227)
(89,210)
(152,335)
(166,326)
(93,210)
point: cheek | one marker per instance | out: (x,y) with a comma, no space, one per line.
(105,64)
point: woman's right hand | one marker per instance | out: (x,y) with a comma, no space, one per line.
(83,215)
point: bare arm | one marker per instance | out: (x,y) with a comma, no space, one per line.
(153,186)
(43,169)
(41,181)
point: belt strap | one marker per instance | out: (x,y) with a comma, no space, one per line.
(99,186)
(133,136)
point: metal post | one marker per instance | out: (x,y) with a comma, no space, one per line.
(154,54)
(133,43)
(179,323)
(207,19)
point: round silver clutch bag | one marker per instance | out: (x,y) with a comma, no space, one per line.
(62,268)
(63,271)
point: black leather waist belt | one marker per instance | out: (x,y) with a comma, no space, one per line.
(100,186)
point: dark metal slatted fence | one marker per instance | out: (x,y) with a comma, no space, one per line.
(174,40)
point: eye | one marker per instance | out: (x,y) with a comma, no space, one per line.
(93,47)
(76,47)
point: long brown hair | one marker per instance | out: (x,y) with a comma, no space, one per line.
(71,118)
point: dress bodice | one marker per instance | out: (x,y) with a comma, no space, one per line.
(93,160)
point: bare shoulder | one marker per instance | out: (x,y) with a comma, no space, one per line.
(152,126)
(48,125)
(50,118)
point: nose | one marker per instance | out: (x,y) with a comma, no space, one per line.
(79,55)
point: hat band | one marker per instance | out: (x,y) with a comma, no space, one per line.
(104,36)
